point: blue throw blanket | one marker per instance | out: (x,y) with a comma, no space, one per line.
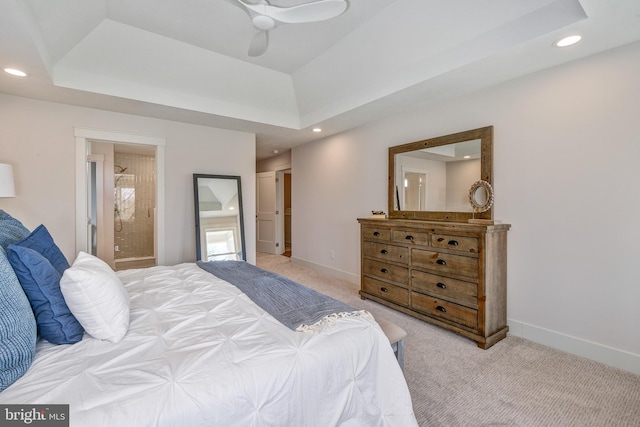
(289,302)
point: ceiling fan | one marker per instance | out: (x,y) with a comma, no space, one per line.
(266,17)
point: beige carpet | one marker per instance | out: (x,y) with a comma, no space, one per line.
(514,383)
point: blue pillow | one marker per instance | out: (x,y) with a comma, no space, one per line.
(41,241)
(41,282)
(11,230)
(17,326)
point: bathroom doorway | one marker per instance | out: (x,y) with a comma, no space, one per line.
(123,204)
(87,141)
(134,206)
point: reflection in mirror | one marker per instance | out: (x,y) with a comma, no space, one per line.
(437,178)
(481,196)
(430,179)
(218,215)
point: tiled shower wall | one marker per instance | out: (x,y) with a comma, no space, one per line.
(135,201)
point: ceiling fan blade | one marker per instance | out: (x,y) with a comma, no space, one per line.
(256,6)
(259,43)
(309,12)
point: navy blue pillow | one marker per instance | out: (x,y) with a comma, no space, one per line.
(11,230)
(41,282)
(41,241)
(17,327)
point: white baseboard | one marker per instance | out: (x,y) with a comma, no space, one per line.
(339,274)
(590,350)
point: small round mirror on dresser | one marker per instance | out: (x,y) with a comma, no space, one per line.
(481,196)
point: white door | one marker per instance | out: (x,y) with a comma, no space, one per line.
(415,184)
(266,212)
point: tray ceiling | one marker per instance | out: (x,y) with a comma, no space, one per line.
(188,60)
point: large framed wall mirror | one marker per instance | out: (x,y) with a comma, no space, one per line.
(430,179)
(219,220)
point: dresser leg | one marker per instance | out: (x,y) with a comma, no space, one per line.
(492,339)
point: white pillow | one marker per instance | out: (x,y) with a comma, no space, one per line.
(96,297)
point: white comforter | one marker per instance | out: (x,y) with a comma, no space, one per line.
(200,353)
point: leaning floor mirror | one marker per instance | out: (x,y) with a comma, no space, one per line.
(219,221)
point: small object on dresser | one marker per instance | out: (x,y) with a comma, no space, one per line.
(378,215)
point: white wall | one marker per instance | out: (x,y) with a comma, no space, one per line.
(566,153)
(279,162)
(461,175)
(37,138)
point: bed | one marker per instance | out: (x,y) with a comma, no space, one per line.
(197,351)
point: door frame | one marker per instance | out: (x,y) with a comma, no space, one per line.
(98,159)
(280,207)
(83,137)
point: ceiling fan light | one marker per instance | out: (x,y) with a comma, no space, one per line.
(263,22)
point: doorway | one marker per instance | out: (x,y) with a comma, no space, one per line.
(266,213)
(287,213)
(415,184)
(274,212)
(123,204)
(96,214)
(134,206)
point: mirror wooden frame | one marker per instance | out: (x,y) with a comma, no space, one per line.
(196,199)
(485,135)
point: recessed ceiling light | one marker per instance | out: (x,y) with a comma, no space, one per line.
(15,72)
(567,41)
(275,151)
(316,130)
(467,157)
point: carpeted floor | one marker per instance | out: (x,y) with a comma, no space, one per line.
(514,383)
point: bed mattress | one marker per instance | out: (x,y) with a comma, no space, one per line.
(199,352)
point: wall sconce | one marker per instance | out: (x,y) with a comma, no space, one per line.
(7,189)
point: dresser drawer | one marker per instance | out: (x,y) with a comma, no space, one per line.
(465,293)
(445,310)
(456,243)
(446,263)
(381,234)
(386,271)
(411,237)
(386,252)
(384,290)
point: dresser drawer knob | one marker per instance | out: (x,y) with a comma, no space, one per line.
(384,270)
(441,309)
(384,289)
(441,262)
(376,233)
(441,285)
(441,239)
(452,242)
(409,237)
(384,252)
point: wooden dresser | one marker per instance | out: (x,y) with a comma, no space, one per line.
(451,274)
